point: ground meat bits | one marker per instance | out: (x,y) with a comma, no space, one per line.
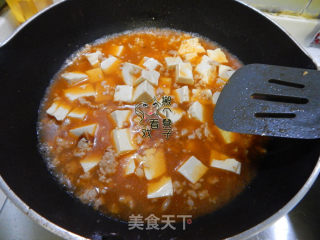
(96,141)
(108,164)
(83,147)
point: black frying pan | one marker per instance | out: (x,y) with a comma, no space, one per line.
(32,57)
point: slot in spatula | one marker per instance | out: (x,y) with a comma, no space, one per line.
(271,100)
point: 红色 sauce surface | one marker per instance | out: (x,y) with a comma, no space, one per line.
(106,186)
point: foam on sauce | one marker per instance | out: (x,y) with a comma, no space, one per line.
(120,184)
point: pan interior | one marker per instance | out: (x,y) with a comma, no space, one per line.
(37,52)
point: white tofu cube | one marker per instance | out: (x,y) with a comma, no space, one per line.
(150,76)
(225,72)
(86,129)
(227,136)
(201,95)
(122,140)
(61,112)
(154,164)
(145,92)
(161,188)
(151,63)
(215,97)
(217,55)
(219,81)
(207,69)
(117,50)
(182,94)
(193,169)
(229,164)
(74,77)
(130,165)
(184,73)
(174,115)
(78,113)
(94,58)
(130,73)
(84,90)
(120,116)
(196,110)
(173,61)
(190,56)
(191,45)
(123,93)
(51,110)
(89,162)
(109,64)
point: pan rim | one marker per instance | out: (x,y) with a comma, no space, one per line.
(66,234)
(281,28)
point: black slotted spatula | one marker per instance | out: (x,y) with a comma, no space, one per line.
(271,100)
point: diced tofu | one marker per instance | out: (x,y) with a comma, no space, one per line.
(173,61)
(190,56)
(229,164)
(225,72)
(217,55)
(85,90)
(116,50)
(150,76)
(174,115)
(94,58)
(219,81)
(161,188)
(184,73)
(191,45)
(95,75)
(131,73)
(51,110)
(122,140)
(227,136)
(215,97)
(193,169)
(120,116)
(196,110)
(89,162)
(204,96)
(109,64)
(182,94)
(123,93)
(154,164)
(74,77)
(207,69)
(78,113)
(61,112)
(130,165)
(86,129)
(144,93)
(151,63)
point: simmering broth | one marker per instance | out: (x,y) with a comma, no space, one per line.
(127,126)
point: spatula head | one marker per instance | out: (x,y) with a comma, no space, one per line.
(271,101)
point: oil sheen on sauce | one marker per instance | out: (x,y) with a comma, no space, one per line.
(156,174)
